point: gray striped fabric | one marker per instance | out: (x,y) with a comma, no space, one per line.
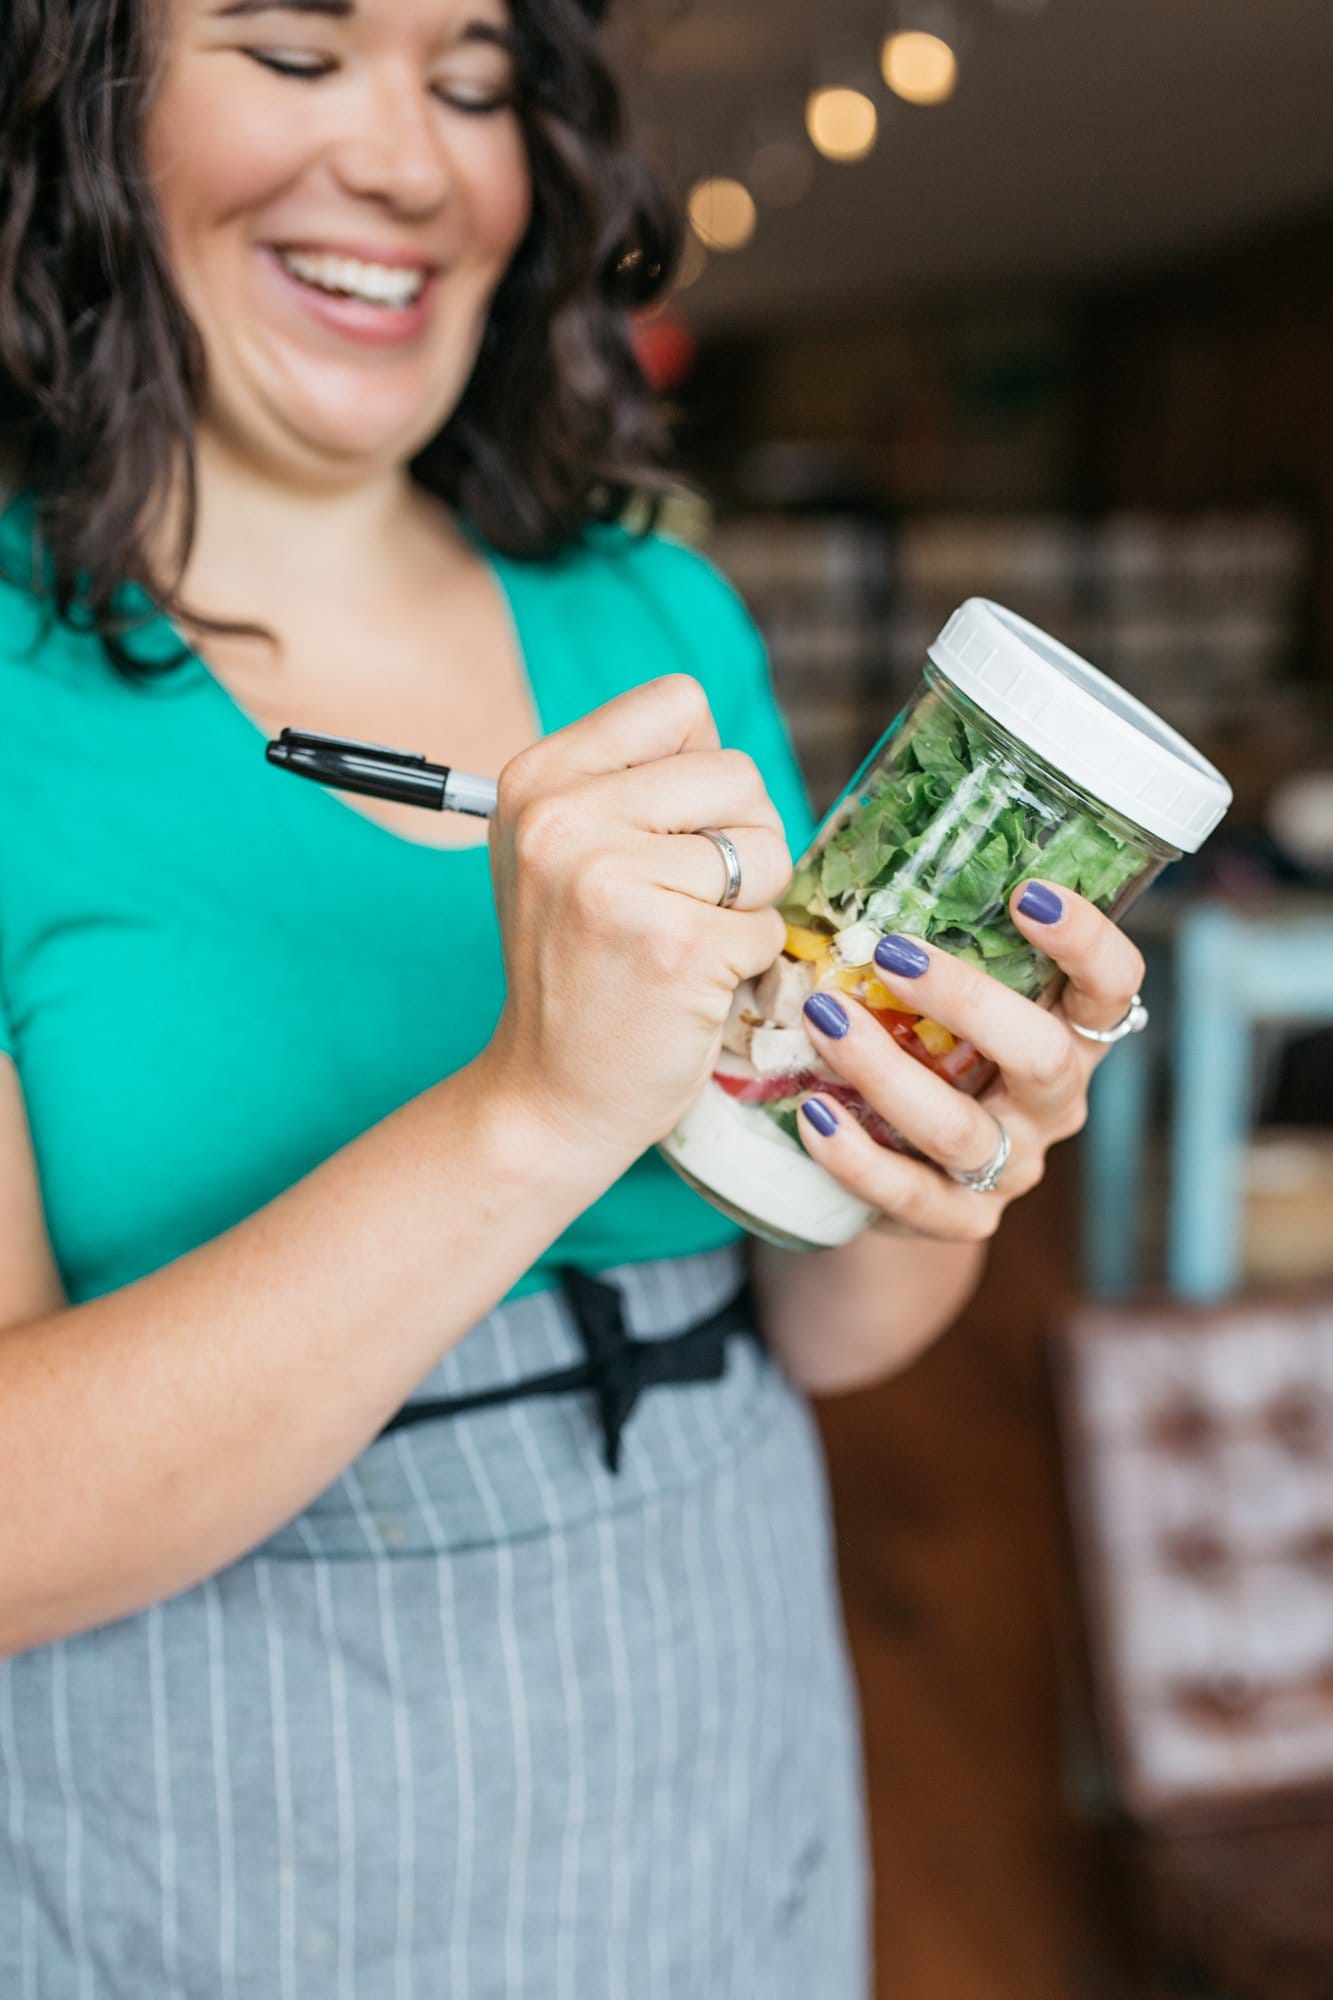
(483,1721)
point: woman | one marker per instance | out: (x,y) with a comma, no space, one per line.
(318,409)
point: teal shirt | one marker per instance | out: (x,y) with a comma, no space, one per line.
(212,976)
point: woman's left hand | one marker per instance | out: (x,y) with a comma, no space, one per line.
(1040,1094)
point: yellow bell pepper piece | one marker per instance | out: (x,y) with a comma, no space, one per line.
(936,1038)
(878,995)
(806,944)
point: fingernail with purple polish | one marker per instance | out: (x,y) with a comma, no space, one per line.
(824,1121)
(899,955)
(1041,903)
(828,1015)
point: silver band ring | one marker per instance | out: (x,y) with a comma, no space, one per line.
(982,1180)
(1135,1021)
(731,860)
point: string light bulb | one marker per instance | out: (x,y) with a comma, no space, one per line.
(722,212)
(918,67)
(843,124)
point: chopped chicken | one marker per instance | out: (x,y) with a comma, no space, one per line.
(742,1021)
(782,991)
(776,1051)
(856,944)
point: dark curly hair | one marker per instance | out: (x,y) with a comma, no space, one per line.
(101,369)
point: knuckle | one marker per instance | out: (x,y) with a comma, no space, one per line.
(957,1135)
(667,953)
(745,783)
(513,785)
(1077,1118)
(685,693)
(599,895)
(759,943)
(753,941)
(911,1199)
(1052,1065)
(771,870)
(740,766)
(528,843)
(538,825)
(978,1222)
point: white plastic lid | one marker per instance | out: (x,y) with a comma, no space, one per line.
(1082,723)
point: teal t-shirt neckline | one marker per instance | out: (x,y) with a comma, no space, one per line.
(194,673)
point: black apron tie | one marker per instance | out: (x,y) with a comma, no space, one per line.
(619,1367)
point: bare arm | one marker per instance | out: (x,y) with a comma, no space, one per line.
(152,1436)
(29,1281)
(840,1319)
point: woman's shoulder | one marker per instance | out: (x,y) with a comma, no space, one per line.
(643,604)
(33,642)
(670,576)
(44,656)
(649,604)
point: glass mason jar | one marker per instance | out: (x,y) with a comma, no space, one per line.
(1012,758)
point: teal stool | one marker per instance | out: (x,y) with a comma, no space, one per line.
(1215,978)
(1233,973)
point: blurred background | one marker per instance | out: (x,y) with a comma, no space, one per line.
(1033,299)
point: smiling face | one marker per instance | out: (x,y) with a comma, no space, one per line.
(342,185)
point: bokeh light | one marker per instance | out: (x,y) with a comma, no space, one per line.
(921,68)
(843,124)
(722,213)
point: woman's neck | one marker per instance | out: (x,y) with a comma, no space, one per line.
(263,549)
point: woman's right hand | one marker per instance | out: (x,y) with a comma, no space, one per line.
(619,964)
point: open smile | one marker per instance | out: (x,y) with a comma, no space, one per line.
(374,300)
(377,282)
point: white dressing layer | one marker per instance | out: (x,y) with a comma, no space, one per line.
(738,1152)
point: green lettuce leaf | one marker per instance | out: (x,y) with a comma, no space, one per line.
(959,811)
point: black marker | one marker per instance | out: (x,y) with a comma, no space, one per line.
(349,766)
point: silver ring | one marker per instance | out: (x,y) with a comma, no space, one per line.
(982,1180)
(732,861)
(1135,1021)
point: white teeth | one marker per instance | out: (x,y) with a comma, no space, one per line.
(380,284)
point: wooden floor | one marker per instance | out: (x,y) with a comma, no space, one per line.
(956,1579)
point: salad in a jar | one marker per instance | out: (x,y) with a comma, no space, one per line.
(931,838)
(1012,759)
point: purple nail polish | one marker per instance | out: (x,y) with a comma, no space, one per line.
(1041,903)
(824,1121)
(828,1015)
(900,955)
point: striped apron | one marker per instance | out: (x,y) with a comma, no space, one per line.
(484,1722)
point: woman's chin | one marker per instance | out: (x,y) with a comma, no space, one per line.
(336,438)
(335,404)
(344,446)
(345,416)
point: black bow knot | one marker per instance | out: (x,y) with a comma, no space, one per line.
(618,1367)
(622,1366)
